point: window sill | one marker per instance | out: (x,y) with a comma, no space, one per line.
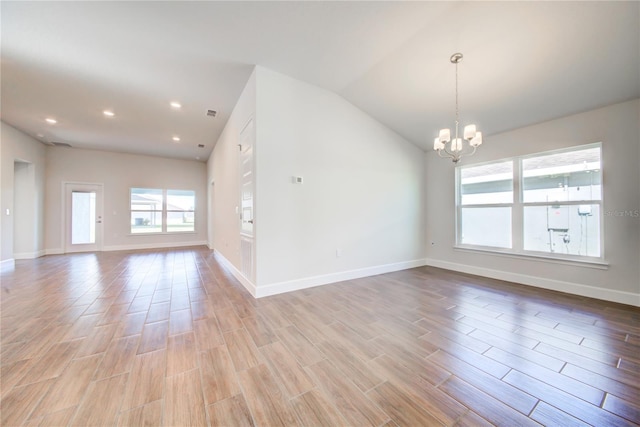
(162,233)
(597,264)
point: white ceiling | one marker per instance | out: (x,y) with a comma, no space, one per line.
(525,62)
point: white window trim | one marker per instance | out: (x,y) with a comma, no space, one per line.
(517,217)
(164,213)
(537,256)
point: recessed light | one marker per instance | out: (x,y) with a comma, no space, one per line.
(176,138)
(108,113)
(176,105)
(51,121)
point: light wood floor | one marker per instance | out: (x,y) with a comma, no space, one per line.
(170,338)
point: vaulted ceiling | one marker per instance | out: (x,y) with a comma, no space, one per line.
(524,62)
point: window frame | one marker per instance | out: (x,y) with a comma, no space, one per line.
(164,229)
(518,209)
(460,206)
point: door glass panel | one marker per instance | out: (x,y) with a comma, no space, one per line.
(83,218)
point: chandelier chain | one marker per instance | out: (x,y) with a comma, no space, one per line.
(457,110)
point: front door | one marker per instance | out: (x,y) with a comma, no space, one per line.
(83,231)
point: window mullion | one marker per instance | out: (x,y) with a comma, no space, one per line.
(517,221)
(164,210)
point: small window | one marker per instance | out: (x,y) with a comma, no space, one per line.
(562,177)
(162,211)
(146,210)
(476,222)
(180,210)
(486,199)
(487,184)
(561,197)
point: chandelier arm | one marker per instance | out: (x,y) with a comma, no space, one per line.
(467,153)
(440,154)
(449,153)
(466,150)
(454,157)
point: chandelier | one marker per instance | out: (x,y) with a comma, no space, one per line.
(456,149)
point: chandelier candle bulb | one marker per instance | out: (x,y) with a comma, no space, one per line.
(437,145)
(469,132)
(445,135)
(477,140)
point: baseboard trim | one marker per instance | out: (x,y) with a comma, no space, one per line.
(29,255)
(249,286)
(112,248)
(7,263)
(152,246)
(540,282)
(325,279)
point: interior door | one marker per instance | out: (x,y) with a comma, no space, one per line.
(83,211)
(247,181)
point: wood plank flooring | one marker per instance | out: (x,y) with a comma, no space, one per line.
(169,337)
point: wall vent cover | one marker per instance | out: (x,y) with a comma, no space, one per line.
(212,113)
(200,145)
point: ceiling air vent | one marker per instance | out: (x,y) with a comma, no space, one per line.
(200,145)
(61,144)
(211,113)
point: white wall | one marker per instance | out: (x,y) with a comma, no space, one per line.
(29,239)
(617,127)
(222,170)
(24,216)
(119,172)
(363,190)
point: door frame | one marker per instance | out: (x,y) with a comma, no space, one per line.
(247,237)
(65,220)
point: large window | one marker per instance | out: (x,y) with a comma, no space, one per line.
(548,203)
(162,211)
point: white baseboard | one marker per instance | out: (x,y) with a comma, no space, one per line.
(8,263)
(111,248)
(309,282)
(152,246)
(325,279)
(540,282)
(237,274)
(29,255)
